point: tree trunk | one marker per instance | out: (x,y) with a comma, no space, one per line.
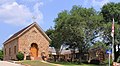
(73,55)
(57,55)
(80,57)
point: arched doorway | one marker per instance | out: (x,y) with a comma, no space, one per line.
(34,50)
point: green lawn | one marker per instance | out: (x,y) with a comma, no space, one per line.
(73,64)
(35,63)
(39,63)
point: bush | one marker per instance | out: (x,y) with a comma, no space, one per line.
(95,61)
(20,56)
(107,61)
(1,54)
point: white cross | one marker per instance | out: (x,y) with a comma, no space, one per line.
(34,18)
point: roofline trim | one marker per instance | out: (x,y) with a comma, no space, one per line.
(28,29)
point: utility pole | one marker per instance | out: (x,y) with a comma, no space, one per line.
(113,49)
(112,34)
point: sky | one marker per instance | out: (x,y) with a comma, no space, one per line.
(17,14)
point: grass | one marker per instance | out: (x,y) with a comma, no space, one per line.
(39,63)
(35,63)
(73,64)
(65,63)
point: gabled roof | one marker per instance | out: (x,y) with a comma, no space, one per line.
(19,33)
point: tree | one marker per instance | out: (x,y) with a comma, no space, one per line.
(110,11)
(101,45)
(56,38)
(76,25)
(107,39)
(1,54)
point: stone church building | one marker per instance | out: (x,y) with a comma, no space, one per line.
(32,41)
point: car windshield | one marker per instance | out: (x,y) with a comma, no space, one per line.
(118,60)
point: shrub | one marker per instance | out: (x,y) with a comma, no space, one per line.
(95,61)
(20,56)
(107,61)
(1,54)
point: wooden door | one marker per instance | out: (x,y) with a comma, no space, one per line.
(34,51)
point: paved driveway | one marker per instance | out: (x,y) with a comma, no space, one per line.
(5,63)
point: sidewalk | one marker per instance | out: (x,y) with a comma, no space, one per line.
(6,63)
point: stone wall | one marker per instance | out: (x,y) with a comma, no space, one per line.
(33,36)
(10,47)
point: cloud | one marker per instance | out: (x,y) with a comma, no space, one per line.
(19,14)
(37,14)
(99,2)
(6,1)
(14,13)
(96,4)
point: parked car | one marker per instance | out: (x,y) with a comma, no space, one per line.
(117,63)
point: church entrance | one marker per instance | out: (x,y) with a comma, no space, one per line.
(34,50)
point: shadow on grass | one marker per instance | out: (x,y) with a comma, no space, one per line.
(74,64)
(34,63)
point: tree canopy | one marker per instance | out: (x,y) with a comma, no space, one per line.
(75,28)
(80,26)
(111,10)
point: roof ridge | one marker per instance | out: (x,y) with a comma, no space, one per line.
(18,32)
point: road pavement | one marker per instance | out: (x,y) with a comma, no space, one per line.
(6,63)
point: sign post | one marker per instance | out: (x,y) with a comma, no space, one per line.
(109,52)
(109,57)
